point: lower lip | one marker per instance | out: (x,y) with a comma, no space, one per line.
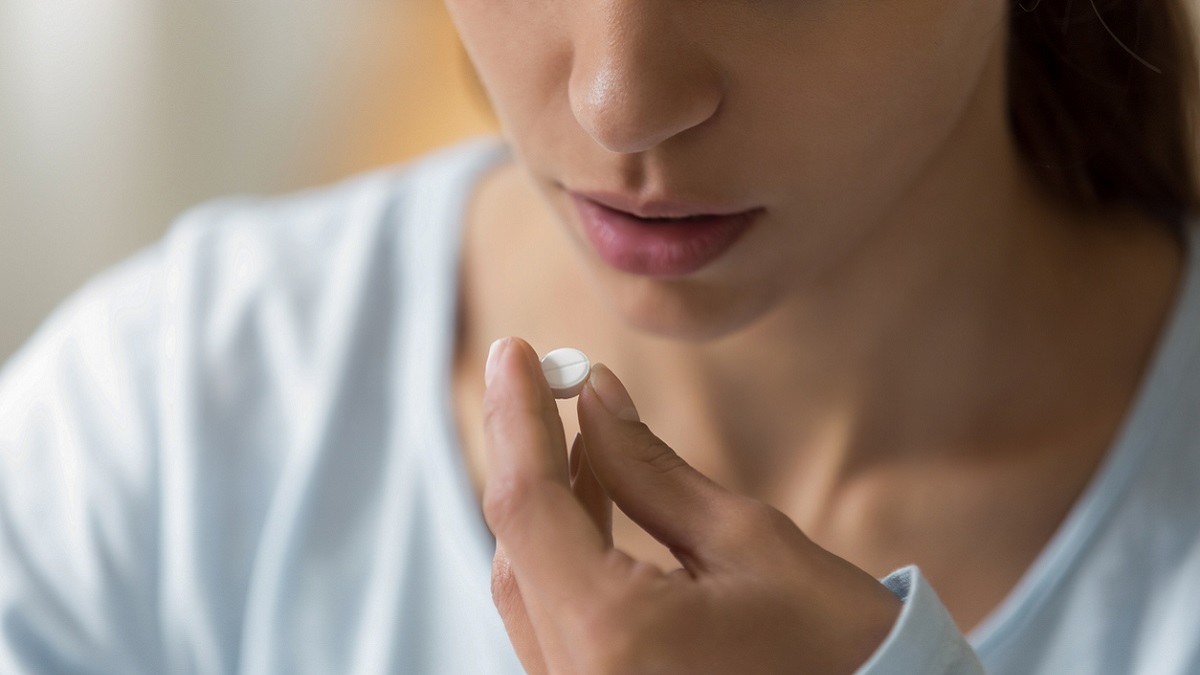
(660,248)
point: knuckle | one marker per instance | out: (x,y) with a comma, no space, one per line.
(503,501)
(506,595)
(656,454)
(613,645)
(494,410)
(624,625)
(753,523)
(775,521)
(610,633)
(646,583)
(626,652)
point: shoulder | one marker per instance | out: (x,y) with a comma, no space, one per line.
(184,395)
(236,280)
(1161,436)
(293,280)
(1171,395)
(244,239)
(1120,577)
(326,212)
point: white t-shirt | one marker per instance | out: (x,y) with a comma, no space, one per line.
(236,453)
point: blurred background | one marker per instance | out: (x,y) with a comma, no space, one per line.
(116,115)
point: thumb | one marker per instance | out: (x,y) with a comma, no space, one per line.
(654,486)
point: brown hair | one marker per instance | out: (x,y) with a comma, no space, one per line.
(1102,100)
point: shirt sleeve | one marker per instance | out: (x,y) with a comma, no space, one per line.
(78,516)
(925,638)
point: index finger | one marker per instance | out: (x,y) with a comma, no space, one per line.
(551,542)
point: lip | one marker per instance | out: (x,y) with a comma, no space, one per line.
(658,208)
(637,245)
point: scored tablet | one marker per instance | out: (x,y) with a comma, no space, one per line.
(566,370)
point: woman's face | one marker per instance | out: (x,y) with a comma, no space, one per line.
(825,116)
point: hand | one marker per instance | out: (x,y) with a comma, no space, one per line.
(754,594)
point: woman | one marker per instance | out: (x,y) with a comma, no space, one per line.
(901,287)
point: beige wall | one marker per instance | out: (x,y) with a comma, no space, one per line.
(115,115)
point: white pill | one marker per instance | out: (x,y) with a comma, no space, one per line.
(566,370)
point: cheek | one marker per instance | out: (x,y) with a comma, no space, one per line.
(850,122)
(868,95)
(521,53)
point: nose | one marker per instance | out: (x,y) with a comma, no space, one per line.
(635,79)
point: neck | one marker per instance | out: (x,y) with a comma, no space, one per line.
(973,321)
(981,315)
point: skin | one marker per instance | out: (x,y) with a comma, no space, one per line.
(918,354)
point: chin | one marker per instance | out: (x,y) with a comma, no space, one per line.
(684,310)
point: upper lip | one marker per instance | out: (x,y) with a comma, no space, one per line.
(659,207)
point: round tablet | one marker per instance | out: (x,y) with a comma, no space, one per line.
(566,370)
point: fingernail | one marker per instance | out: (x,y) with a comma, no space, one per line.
(612,393)
(493,356)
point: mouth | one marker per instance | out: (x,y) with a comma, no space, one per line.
(661,238)
(662,210)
